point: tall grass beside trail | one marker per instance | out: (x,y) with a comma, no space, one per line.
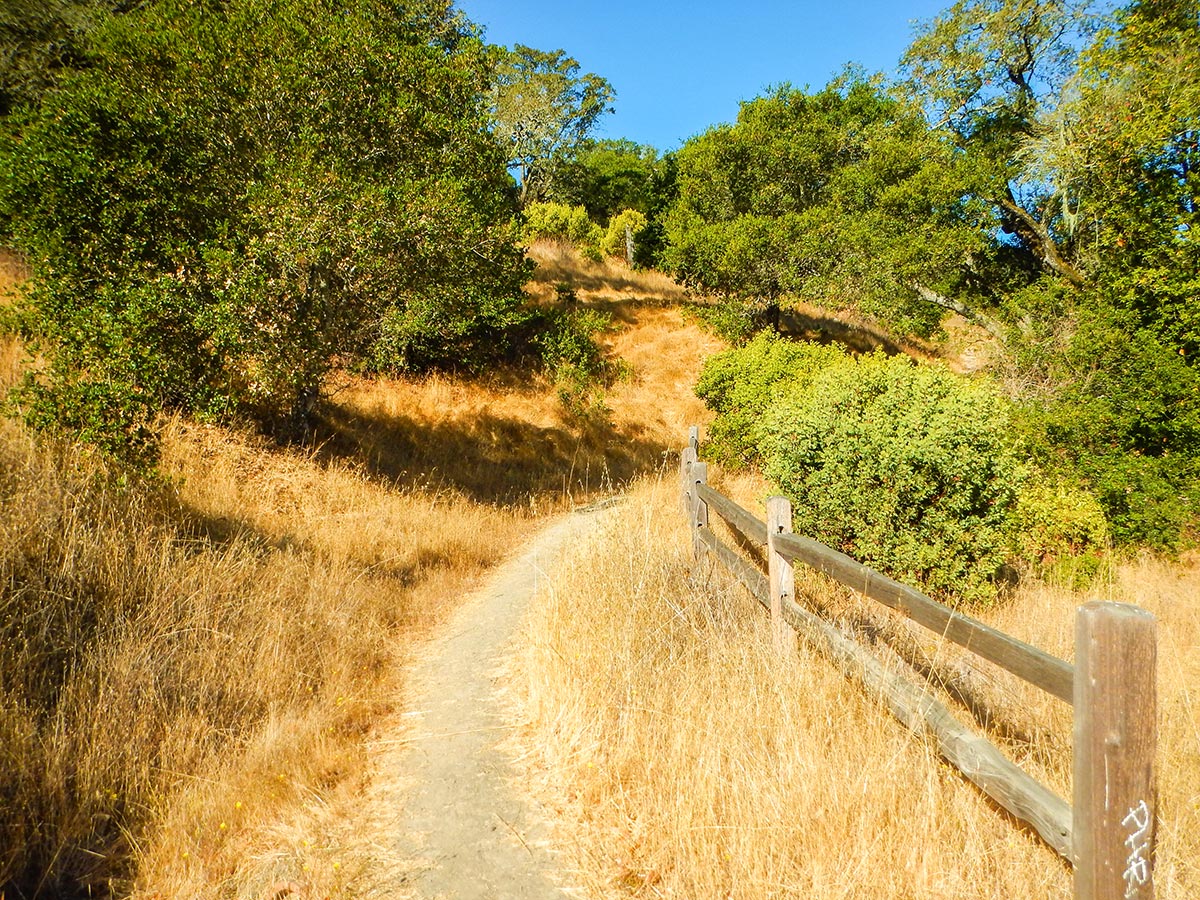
(682,757)
(192,678)
(188,677)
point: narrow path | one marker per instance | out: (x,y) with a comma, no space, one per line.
(470,835)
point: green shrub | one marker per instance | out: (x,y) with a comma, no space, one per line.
(1055,520)
(613,242)
(558,221)
(740,384)
(574,360)
(731,319)
(447,327)
(905,467)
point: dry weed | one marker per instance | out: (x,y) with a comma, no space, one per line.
(183,674)
(190,678)
(610,279)
(685,759)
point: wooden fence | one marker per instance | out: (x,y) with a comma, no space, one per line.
(1108,832)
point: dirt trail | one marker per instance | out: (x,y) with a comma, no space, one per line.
(467,832)
(446,815)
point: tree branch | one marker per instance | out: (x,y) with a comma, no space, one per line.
(988,324)
(1038,237)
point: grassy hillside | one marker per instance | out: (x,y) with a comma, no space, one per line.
(191,676)
(682,757)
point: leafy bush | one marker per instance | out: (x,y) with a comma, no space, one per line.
(448,328)
(736,321)
(1060,528)
(574,360)
(557,221)
(216,215)
(1055,519)
(1124,419)
(907,468)
(613,242)
(740,385)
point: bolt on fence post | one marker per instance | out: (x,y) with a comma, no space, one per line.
(699,507)
(1113,829)
(687,459)
(779,569)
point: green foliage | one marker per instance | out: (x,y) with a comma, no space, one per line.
(607,176)
(448,327)
(1053,201)
(223,200)
(557,221)
(573,359)
(741,384)
(731,319)
(907,468)
(613,243)
(1055,520)
(39,41)
(662,191)
(985,67)
(839,198)
(543,109)
(1125,418)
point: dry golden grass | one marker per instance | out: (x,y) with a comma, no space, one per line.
(13,273)
(611,279)
(684,758)
(185,674)
(190,679)
(14,270)
(505,438)
(387,566)
(12,361)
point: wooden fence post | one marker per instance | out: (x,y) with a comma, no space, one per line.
(687,459)
(699,507)
(1113,829)
(779,568)
(694,438)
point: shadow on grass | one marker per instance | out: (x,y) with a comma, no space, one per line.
(821,329)
(492,459)
(598,277)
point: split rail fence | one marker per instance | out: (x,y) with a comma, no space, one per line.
(1108,832)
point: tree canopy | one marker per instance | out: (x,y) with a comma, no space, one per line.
(221,201)
(543,108)
(607,176)
(1034,171)
(839,197)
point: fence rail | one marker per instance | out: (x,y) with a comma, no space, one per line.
(1108,833)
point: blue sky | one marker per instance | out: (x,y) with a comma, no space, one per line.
(679,68)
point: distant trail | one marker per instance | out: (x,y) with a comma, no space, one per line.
(471,835)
